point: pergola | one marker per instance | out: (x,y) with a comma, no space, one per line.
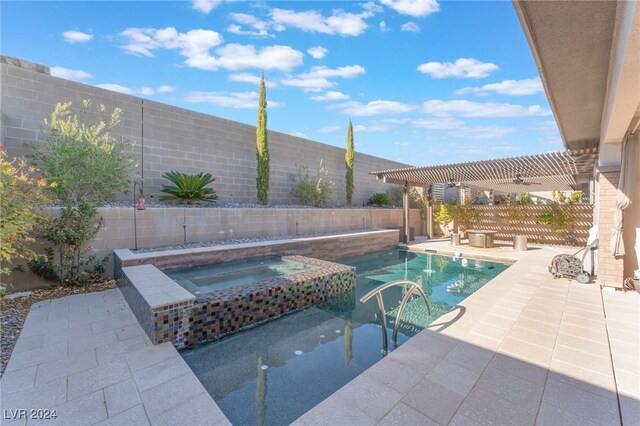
(553,171)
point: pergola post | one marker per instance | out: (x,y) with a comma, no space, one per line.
(405,211)
(430,213)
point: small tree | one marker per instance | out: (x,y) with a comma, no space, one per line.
(22,193)
(348,159)
(262,146)
(89,166)
(560,215)
(84,160)
(465,214)
(514,214)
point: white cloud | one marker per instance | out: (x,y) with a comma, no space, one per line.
(242,100)
(308,84)
(329,129)
(413,7)
(116,88)
(147,91)
(195,45)
(318,52)
(462,67)
(73,36)
(239,56)
(69,74)
(374,108)
(205,6)
(372,7)
(529,86)
(411,27)
(383,27)
(481,132)
(318,78)
(341,23)
(401,143)
(258,26)
(441,123)
(251,78)
(349,71)
(396,121)
(371,128)
(165,89)
(331,96)
(481,109)
(298,134)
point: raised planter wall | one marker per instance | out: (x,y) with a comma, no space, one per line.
(325,248)
(157,227)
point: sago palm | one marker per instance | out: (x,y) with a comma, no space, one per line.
(188,189)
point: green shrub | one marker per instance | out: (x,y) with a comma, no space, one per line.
(188,189)
(68,261)
(442,213)
(560,215)
(311,190)
(21,194)
(380,199)
(396,193)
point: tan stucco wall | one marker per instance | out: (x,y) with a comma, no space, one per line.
(182,140)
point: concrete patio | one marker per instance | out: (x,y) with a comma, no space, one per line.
(86,357)
(524,349)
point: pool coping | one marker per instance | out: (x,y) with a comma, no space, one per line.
(126,257)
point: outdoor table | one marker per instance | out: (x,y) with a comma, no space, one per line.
(481,237)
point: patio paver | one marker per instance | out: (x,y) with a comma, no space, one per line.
(86,357)
(524,349)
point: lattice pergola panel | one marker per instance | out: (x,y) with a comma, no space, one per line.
(541,172)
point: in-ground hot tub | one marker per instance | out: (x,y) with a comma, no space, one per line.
(213,301)
(204,279)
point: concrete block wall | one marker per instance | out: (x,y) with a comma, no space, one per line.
(179,139)
(610,269)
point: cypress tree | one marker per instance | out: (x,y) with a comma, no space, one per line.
(348,160)
(262,146)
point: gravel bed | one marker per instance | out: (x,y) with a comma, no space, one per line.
(13,312)
(246,240)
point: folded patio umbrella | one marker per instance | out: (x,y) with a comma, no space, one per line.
(626,188)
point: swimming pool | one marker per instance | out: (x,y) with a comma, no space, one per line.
(274,373)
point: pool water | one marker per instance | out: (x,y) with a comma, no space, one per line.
(274,373)
(206,278)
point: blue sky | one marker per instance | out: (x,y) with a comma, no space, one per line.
(424,82)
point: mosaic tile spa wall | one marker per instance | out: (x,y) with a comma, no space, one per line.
(223,312)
